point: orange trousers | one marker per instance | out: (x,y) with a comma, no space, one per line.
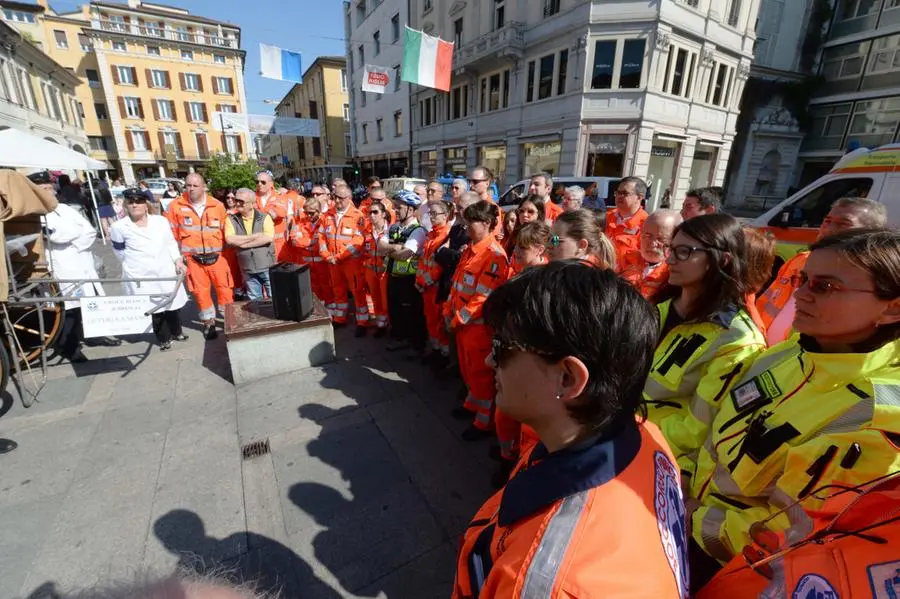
(376,283)
(320,280)
(230,256)
(348,277)
(201,279)
(434,320)
(473,343)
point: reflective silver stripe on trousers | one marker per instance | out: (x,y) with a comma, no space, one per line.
(481,403)
(551,551)
(710,533)
(483,418)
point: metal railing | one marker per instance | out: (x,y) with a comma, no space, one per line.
(164,33)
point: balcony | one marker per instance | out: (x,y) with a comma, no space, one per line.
(167,33)
(492,50)
(182,157)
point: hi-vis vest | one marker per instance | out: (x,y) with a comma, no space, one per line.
(402,268)
(258,259)
(199,235)
(603,519)
(693,367)
(779,292)
(797,420)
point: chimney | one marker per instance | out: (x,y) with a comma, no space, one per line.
(134,3)
(44,4)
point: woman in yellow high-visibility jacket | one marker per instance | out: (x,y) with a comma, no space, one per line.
(706,336)
(820,409)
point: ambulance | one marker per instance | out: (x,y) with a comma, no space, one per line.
(862,173)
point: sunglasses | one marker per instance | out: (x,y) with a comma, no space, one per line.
(501,350)
(476,181)
(261,182)
(684,252)
(554,241)
(374,211)
(822,286)
(316,194)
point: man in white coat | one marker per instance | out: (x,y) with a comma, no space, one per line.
(70,237)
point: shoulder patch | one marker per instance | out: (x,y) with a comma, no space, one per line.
(670,519)
(884,580)
(813,585)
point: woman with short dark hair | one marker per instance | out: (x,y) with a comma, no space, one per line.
(600,492)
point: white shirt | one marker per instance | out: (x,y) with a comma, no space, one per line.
(199,208)
(781,325)
(416,239)
(70,237)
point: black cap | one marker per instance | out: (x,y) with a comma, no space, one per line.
(41,178)
(133,194)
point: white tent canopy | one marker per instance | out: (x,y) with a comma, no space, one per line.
(23,150)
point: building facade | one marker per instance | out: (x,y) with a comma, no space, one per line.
(575,87)
(322,97)
(379,123)
(37,94)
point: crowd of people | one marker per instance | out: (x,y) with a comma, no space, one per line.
(635,364)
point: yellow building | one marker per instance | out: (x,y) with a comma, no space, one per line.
(153,78)
(322,96)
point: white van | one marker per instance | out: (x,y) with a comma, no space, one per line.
(601,188)
(393,185)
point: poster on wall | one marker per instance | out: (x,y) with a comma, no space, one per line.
(376,80)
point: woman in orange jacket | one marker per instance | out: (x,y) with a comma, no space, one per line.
(428,274)
(578,235)
(305,248)
(482,268)
(376,231)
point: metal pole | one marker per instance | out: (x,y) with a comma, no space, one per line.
(96,210)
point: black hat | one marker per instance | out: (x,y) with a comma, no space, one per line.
(133,194)
(41,178)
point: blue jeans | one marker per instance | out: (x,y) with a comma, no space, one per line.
(255,282)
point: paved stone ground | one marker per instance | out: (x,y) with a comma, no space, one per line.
(131,463)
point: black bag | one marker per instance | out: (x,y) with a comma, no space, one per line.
(205,259)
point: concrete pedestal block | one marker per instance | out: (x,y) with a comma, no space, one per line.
(259,346)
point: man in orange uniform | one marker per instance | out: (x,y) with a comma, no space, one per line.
(340,243)
(198,223)
(428,274)
(623,224)
(595,509)
(305,240)
(647,269)
(776,305)
(279,207)
(542,185)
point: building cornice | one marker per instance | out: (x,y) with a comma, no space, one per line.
(13,42)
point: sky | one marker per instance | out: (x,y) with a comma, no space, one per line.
(313,27)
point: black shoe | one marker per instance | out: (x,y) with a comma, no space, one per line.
(360,332)
(103,342)
(461,413)
(165,346)
(380,332)
(209,332)
(501,476)
(75,357)
(338,325)
(180,338)
(475,434)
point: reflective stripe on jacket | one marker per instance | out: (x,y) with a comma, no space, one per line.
(305,239)
(779,292)
(482,268)
(646,278)
(601,519)
(692,369)
(342,238)
(797,420)
(428,272)
(625,234)
(198,234)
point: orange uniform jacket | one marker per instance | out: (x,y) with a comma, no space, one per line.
(625,234)
(342,238)
(305,239)
(646,278)
(602,519)
(281,205)
(428,272)
(482,268)
(779,292)
(364,208)
(370,258)
(552,210)
(198,234)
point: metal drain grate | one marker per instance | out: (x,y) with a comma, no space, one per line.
(254,449)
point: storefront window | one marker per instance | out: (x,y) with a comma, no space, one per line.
(494,157)
(540,157)
(704,165)
(455,161)
(661,173)
(428,164)
(606,155)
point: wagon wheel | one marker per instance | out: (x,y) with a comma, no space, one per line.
(5,368)
(26,326)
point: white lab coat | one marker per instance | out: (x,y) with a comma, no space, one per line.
(147,253)
(70,237)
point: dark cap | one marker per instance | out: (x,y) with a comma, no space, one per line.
(134,195)
(41,178)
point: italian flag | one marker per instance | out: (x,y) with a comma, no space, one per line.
(427,60)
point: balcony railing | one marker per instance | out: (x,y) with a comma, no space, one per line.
(163,33)
(198,157)
(508,41)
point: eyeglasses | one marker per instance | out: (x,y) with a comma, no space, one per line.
(261,182)
(432,190)
(458,187)
(374,211)
(433,213)
(230,197)
(477,181)
(239,202)
(620,193)
(501,350)
(822,286)
(684,252)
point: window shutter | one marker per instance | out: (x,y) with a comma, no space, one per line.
(215,81)
(179,147)
(199,82)
(134,75)
(181,80)
(129,142)
(162,143)
(140,108)
(172,109)
(187,112)
(201,145)
(205,114)
(127,19)
(155,105)
(147,139)
(149,75)
(218,108)
(230,85)
(168,81)
(224,145)
(240,147)
(115,74)
(122,113)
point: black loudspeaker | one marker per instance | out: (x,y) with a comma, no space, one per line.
(292,297)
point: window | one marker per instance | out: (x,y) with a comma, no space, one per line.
(17,15)
(604,64)
(362,98)
(348,145)
(232,146)
(458,104)
(125,75)
(100,109)
(218,59)
(395,28)
(719,89)
(810,210)
(854,9)
(202,145)
(499,14)
(133,108)
(885,57)
(365,133)
(85,43)
(170,138)
(734,12)
(197,112)
(159,79)
(426,6)
(457,32)
(117,23)
(228,108)
(98,143)
(316,146)
(398,123)
(529,94)
(119,47)
(223,85)
(495,91)
(346,112)
(313,109)
(828,125)
(139,140)
(376,41)
(397,79)
(632,64)
(551,7)
(873,122)
(362,56)
(428,111)
(165,110)
(360,12)
(93,77)
(844,62)
(187,55)
(343,80)
(379,129)
(680,67)
(547,76)
(191,82)
(153,50)
(61,40)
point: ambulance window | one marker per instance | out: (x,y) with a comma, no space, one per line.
(809,210)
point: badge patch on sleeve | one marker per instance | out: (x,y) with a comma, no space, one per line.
(813,586)
(188,221)
(884,580)
(758,388)
(670,519)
